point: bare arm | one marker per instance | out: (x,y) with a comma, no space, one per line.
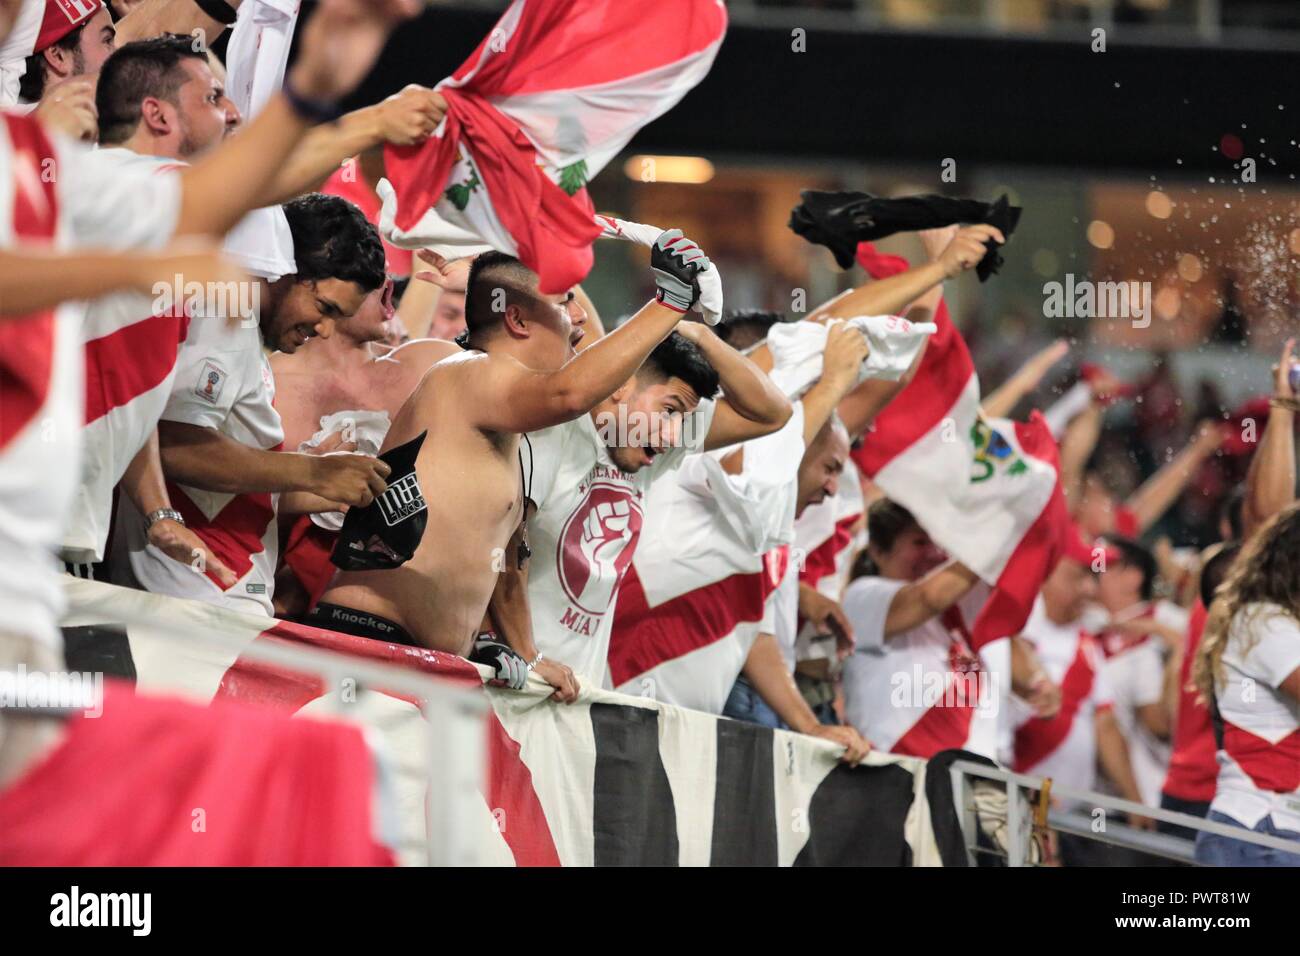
(1112,753)
(508,610)
(1158,493)
(153,18)
(1029,680)
(34,280)
(1080,438)
(1007,396)
(766,669)
(845,350)
(919,601)
(143,483)
(205,458)
(504,395)
(893,295)
(859,408)
(403,119)
(753,405)
(1270,482)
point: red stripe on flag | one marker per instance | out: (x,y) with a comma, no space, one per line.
(256,682)
(940,379)
(603,42)
(644,637)
(511,791)
(556,47)
(129,362)
(552,230)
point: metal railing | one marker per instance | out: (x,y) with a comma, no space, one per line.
(453,734)
(1019,819)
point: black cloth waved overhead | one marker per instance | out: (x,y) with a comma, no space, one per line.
(841,220)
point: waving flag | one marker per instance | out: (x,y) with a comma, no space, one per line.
(551,95)
(986,490)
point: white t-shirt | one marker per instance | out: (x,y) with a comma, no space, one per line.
(700,588)
(131,352)
(1063,747)
(1134,672)
(921,691)
(825,545)
(1259,764)
(223,381)
(584,534)
(53,194)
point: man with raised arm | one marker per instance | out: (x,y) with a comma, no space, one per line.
(457,468)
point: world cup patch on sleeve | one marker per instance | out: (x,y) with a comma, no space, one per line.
(212,378)
(402,499)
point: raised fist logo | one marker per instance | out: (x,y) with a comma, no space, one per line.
(597,544)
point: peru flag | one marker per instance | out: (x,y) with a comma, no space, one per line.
(550,96)
(987,490)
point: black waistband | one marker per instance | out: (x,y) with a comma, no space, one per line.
(346,620)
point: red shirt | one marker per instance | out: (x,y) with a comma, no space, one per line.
(1193,769)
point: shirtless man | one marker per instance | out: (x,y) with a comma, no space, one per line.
(354,382)
(455,459)
(357,383)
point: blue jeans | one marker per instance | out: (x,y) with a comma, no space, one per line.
(743,703)
(1215,850)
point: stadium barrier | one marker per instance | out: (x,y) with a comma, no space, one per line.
(1020,818)
(608,780)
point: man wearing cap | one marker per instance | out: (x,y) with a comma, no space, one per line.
(75,38)
(44,58)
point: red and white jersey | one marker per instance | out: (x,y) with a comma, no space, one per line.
(1063,747)
(53,196)
(825,543)
(223,381)
(131,349)
(1134,670)
(700,589)
(921,691)
(585,533)
(1259,757)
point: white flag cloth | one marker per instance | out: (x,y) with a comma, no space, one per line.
(797,349)
(550,96)
(366,428)
(709,304)
(255,60)
(452,242)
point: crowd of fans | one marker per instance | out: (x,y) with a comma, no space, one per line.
(417,450)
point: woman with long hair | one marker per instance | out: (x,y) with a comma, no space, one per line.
(1248,669)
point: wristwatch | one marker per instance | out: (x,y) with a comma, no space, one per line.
(168,513)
